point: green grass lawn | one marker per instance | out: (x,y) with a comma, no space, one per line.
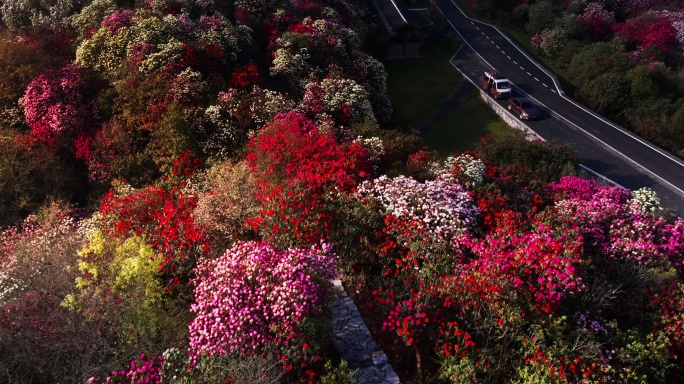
(465,125)
(418,88)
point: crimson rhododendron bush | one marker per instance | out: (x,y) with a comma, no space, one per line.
(300,170)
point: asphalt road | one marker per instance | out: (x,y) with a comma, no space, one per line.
(604,147)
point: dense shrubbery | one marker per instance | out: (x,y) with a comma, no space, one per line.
(217,206)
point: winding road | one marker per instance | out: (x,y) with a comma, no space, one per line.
(605,148)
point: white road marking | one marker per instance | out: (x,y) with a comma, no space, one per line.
(522,68)
(536,79)
(553,90)
(497,47)
(508,57)
(528,73)
(546,86)
(515,62)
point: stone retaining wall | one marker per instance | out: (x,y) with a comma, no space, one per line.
(355,343)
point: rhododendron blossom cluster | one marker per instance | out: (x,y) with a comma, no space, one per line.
(254,295)
(616,222)
(441,206)
(292,150)
(58,103)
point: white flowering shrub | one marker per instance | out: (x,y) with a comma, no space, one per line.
(238,114)
(188,86)
(442,207)
(344,100)
(38,254)
(154,41)
(265,104)
(469,169)
(293,66)
(18,14)
(374,148)
(645,200)
(91,16)
(155,63)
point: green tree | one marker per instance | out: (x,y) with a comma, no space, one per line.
(608,93)
(542,15)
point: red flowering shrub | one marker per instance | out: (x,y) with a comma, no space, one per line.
(292,151)
(295,166)
(660,34)
(144,369)
(165,218)
(245,77)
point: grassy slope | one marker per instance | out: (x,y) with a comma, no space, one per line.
(418,87)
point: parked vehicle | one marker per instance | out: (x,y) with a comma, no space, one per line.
(496,84)
(523,108)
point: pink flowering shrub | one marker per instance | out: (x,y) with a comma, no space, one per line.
(598,19)
(143,370)
(255,295)
(617,227)
(117,20)
(60,103)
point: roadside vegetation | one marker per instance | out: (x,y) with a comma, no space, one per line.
(180,180)
(623,59)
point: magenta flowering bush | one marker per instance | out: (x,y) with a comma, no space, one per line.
(617,225)
(571,187)
(255,295)
(143,370)
(117,20)
(60,103)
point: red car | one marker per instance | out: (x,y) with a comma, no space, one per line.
(523,108)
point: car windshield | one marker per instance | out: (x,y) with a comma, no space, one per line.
(526,105)
(502,85)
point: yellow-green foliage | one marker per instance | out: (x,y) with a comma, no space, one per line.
(135,267)
(126,274)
